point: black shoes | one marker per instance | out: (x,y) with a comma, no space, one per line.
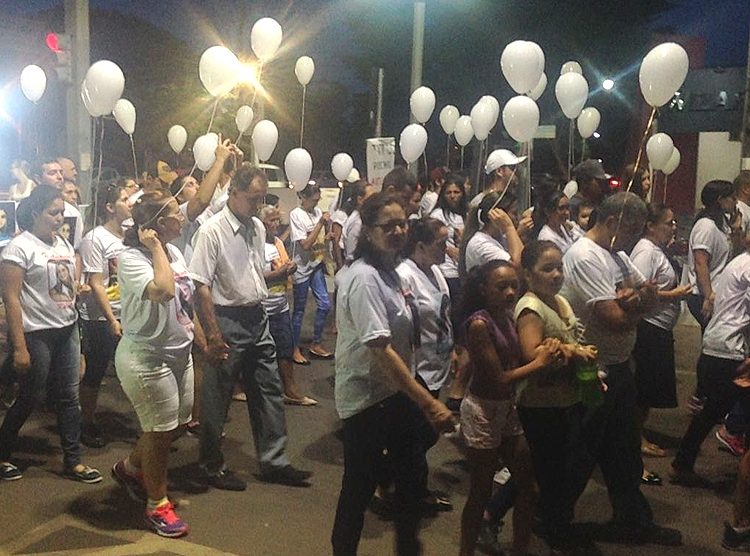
(91,436)
(735,541)
(287,475)
(226,480)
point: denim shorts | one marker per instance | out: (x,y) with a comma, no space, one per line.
(159,385)
(281,330)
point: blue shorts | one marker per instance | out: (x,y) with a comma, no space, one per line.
(281,330)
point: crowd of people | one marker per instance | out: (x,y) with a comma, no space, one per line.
(547,333)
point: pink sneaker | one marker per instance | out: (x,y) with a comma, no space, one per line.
(165,522)
(735,443)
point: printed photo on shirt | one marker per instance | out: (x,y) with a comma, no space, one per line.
(7,221)
(113,289)
(60,275)
(68,229)
(184,299)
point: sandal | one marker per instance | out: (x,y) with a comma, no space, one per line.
(649,478)
(321,355)
(302,361)
(652,450)
(304,401)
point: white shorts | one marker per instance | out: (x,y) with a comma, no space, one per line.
(484,423)
(159,385)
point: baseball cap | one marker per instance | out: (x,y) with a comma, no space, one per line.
(499,158)
(590,168)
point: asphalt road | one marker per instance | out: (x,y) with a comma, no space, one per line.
(46,514)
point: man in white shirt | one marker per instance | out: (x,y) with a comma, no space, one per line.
(609,296)
(501,170)
(50,172)
(227,268)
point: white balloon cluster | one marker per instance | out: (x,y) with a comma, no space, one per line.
(342,166)
(662,73)
(522,63)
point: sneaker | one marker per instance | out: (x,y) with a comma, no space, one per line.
(226,480)
(695,404)
(734,443)
(287,475)
(487,540)
(87,475)
(9,472)
(165,522)
(733,540)
(133,484)
(91,436)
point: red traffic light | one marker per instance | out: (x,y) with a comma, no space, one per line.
(614,183)
(53,42)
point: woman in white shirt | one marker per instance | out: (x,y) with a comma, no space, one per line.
(451,210)
(24,184)
(557,228)
(36,271)
(309,235)
(153,358)
(100,310)
(377,397)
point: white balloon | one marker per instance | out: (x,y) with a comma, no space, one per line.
(537,91)
(570,189)
(412,142)
(204,151)
(520,63)
(124,114)
(659,149)
(422,104)
(104,83)
(571,91)
(482,115)
(86,99)
(540,55)
(219,70)
(353,176)
(588,121)
(341,166)
(265,136)
(672,163)
(464,131)
(177,137)
(492,101)
(244,118)
(521,118)
(265,38)
(304,70)
(662,73)
(448,118)
(571,67)
(33,82)
(298,167)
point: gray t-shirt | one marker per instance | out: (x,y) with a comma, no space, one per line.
(301,223)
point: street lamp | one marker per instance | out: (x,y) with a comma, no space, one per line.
(608,84)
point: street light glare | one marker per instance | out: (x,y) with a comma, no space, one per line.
(608,84)
(597,135)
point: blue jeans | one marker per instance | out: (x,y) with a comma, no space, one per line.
(99,344)
(56,354)
(317,283)
(252,359)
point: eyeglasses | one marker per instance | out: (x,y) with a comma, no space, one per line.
(390,227)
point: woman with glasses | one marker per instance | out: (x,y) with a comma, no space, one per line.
(377,396)
(100,310)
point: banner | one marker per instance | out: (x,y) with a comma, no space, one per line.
(381,153)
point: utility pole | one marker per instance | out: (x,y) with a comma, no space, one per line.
(417,49)
(379,105)
(745,132)
(78,119)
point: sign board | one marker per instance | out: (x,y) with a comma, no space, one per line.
(329,196)
(381,154)
(545,132)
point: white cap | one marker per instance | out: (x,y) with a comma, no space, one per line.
(501,157)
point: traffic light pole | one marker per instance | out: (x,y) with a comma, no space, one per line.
(78,120)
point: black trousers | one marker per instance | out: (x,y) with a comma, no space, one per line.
(715,376)
(611,439)
(392,428)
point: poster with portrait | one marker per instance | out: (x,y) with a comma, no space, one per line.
(7,222)
(61,279)
(68,229)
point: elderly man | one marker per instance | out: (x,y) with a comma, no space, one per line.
(69,170)
(609,295)
(227,268)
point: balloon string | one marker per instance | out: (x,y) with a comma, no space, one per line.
(213,114)
(462,157)
(570,149)
(132,150)
(239,137)
(528,170)
(302,122)
(664,199)
(101,152)
(257,85)
(640,149)
(448,152)
(426,169)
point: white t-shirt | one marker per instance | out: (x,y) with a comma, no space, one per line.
(185,242)
(99,251)
(744,209)
(339,217)
(563,240)
(476,200)
(77,222)
(592,275)
(726,335)
(427,203)
(48,293)
(371,304)
(276,302)
(454,222)
(229,258)
(433,356)
(483,248)
(301,223)
(350,234)
(155,327)
(650,259)
(706,236)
